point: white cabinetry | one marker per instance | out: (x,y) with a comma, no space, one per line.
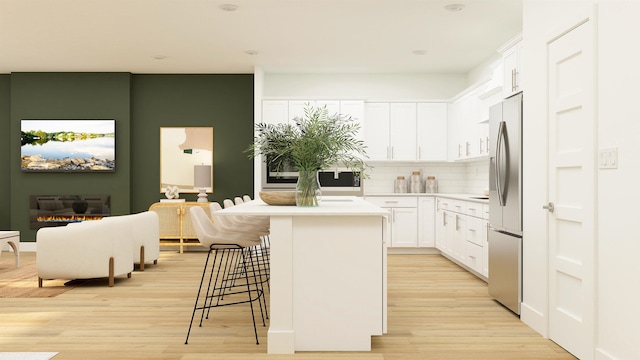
(468,131)
(285,110)
(275,111)
(512,67)
(403,220)
(426,221)
(461,233)
(406,131)
(432,131)
(402,131)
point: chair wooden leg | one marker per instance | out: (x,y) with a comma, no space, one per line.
(111,271)
(39,281)
(142,258)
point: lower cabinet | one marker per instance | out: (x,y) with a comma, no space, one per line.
(403,220)
(458,228)
(426,222)
(461,233)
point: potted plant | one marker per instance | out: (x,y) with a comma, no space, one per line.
(317,141)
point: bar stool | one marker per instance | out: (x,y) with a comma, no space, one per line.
(247,224)
(226,286)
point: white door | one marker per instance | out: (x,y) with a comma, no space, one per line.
(572,174)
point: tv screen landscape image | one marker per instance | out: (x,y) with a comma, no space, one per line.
(68,145)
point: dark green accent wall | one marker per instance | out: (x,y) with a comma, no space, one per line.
(222,101)
(69,96)
(5,146)
(140,104)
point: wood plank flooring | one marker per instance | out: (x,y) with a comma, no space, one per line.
(436,311)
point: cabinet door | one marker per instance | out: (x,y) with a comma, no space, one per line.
(333,106)
(402,131)
(376,130)
(296,108)
(404,227)
(512,70)
(355,110)
(444,231)
(427,222)
(455,128)
(459,237)
(275,111)
(432,131)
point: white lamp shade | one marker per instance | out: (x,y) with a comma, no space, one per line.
(202,176)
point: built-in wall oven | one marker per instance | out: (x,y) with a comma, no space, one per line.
(337,181)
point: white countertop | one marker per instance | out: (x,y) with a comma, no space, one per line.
(329,206)
(466,197)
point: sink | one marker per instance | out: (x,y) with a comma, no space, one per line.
(479,197)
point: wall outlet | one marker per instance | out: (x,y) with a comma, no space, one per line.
(608,158)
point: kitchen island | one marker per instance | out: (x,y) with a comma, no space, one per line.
(328,274)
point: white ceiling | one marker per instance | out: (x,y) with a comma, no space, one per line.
(196,36)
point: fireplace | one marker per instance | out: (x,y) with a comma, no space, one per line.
(60,210)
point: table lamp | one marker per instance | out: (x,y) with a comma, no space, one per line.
(202,180)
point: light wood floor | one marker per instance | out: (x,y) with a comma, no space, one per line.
(436,311)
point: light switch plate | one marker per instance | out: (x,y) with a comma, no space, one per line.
(608,158)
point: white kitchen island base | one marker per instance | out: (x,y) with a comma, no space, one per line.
(328,274)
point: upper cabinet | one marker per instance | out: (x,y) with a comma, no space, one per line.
(431,131)
(468,129)
(512,67)
(284,111)
(406,131)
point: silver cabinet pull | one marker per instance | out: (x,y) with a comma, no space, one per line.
(549,207)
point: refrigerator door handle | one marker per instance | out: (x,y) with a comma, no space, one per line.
(500,186)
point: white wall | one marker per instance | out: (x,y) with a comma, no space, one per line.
(618,116)
(618,249)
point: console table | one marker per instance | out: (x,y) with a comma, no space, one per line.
(13,239)
(175,223)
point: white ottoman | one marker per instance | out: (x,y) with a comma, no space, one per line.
(13,239)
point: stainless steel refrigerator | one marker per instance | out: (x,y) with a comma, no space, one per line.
(505,202)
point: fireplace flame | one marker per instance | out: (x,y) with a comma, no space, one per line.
(69,218)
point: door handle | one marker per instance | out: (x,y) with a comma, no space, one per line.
(549,207)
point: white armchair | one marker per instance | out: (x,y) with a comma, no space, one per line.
(145,234)
(93,249)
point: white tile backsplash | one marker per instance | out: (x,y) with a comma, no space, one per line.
(453,177)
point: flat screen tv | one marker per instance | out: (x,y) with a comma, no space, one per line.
(68,145)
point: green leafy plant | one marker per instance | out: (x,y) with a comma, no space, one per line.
(317,141)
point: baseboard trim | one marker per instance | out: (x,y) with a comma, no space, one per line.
(416,250)
(534,319)
(603,355)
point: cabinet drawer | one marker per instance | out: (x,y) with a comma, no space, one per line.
(475,230)
(474,209)
(474,257)
(485,211)
(459,206)
(445,204)
(393,202)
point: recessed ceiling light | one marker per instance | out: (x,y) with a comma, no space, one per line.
(454,7)
(419,52)
(252,52)
(160,57)
(228,7)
